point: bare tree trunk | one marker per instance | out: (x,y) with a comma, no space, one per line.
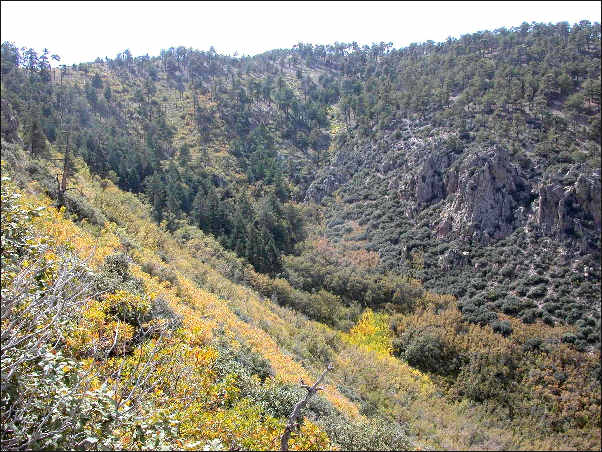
(62,184)
(292,419)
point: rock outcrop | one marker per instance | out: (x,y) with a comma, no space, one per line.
(480,195)
(10,124)
(483,194)
(323,187)
(564,211)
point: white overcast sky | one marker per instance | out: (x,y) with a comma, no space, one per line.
(82,31)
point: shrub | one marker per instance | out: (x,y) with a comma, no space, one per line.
(160,310)
(373,331)
(494,294)
(117,264)
(17,233)
(82,208)
(507,270)
(552,307)
(479,285)
(548,319)
(467,307)
(276,399)
(580,345)
(521,288)
(569,338)
(502,327)
(57,399)
(373,434)
(585,332)
(537,292)
(573,316)
(482,316)
(425,352)
(534,344)
(511,306)
(163,272)
(131,308)
(536,279)
(241,360)
(529,316)
(487,376)
(115,275)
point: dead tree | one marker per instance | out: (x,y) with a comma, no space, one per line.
(62,182)
(292,419)
(66,168)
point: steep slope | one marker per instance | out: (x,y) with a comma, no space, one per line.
(471,162)
(359,409)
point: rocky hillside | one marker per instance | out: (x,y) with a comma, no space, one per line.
(445,215)
(495,184)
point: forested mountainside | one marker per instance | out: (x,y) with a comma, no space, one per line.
(188,238)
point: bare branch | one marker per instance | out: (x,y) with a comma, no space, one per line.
(292,419)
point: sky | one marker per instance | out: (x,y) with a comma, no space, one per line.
(83,31)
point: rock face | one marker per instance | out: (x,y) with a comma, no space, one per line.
(564,211)
(587,194)
(483,194)
(10,124)
(323,187)
(452,258)
(479,195)
(428,185)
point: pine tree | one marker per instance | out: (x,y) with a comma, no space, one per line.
(37,140)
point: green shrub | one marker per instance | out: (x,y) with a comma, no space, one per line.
(160,310)
(502,327)
(17,233)
(512,306)
(494,294)
(117,264)
(115,275)
(536,279)
(374,434)
(479,285)
(52,398)
(507,270)
(487,376)
(481,316)
(552,307)
(163,272)
(240,360)
(529,316)
(534,344)
(129,307)
(573,316)
(569,338)
(426,352)
(537,292)
(82,208)
(522,290)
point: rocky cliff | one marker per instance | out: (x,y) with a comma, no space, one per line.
(459,206)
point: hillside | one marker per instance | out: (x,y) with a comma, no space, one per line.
(187,238)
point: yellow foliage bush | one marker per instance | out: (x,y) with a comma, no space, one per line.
(98,334)
(127,306)
(373,332)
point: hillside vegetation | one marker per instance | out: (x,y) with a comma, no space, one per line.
(189,239)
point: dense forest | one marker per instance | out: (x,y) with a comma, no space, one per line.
(185,236)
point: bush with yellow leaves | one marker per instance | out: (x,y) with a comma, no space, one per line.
(129,307)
